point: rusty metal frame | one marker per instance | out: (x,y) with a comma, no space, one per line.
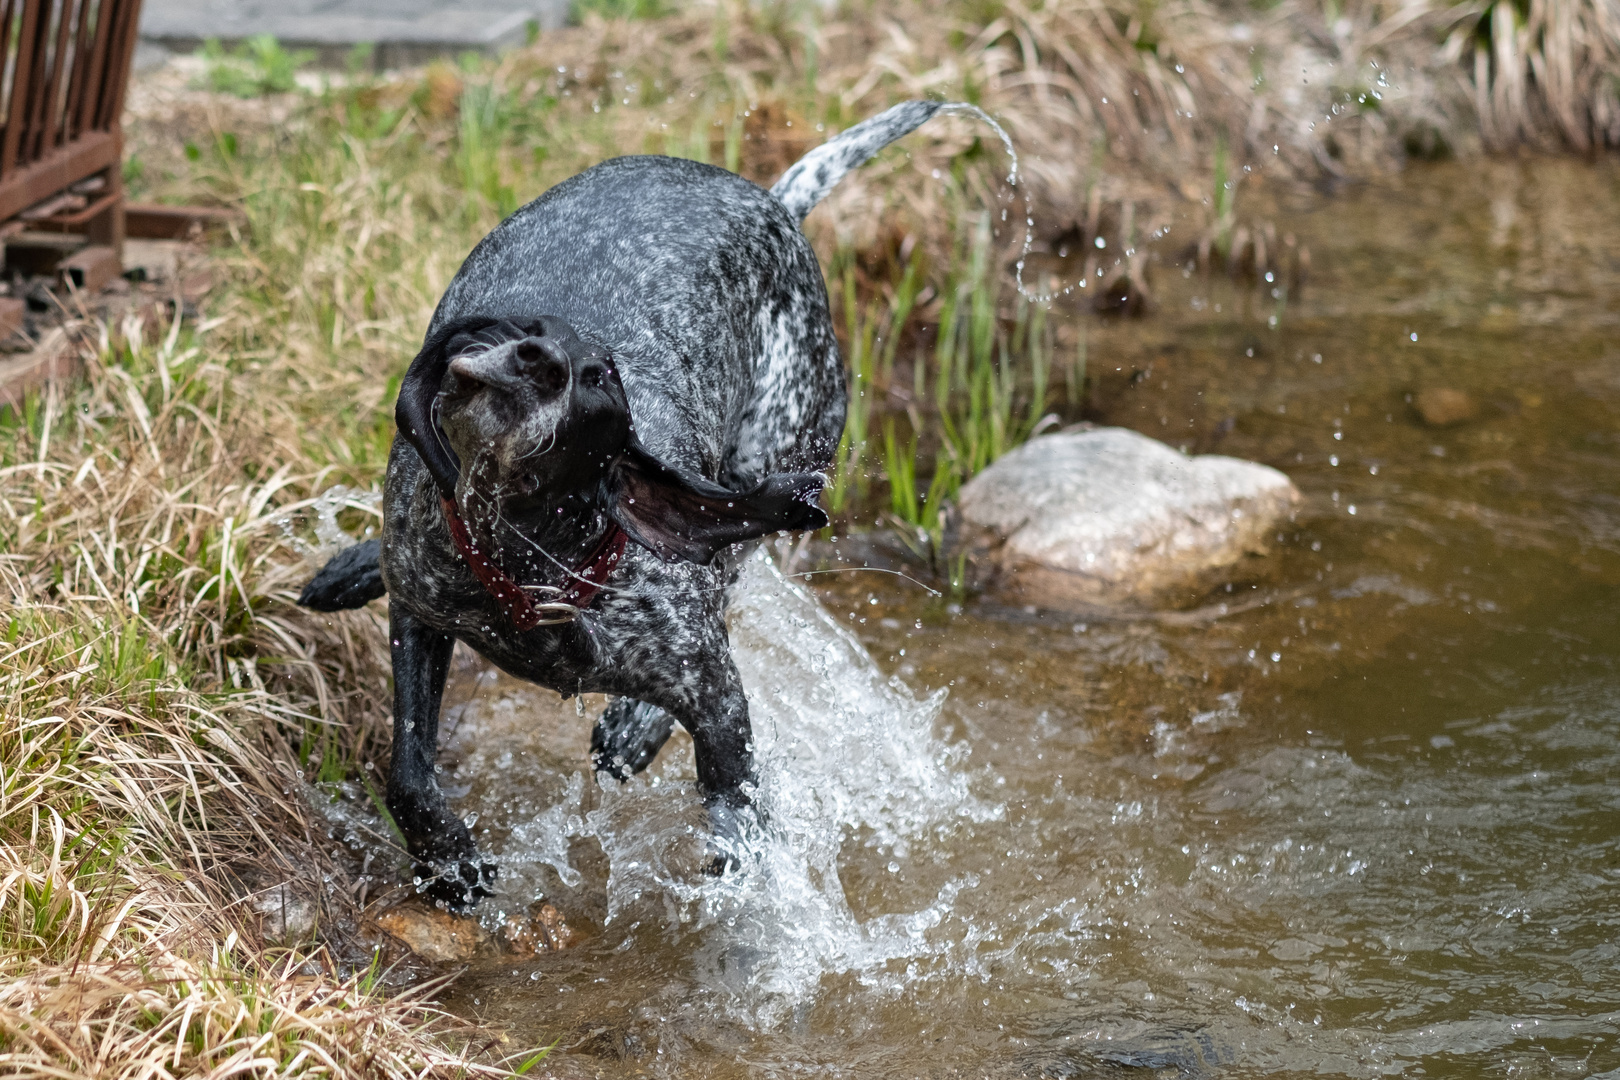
(64,66)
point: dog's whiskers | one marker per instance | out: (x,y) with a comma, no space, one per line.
(541,448)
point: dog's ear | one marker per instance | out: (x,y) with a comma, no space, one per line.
(413,413)
(676,515)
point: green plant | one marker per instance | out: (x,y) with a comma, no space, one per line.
(484,131)
(258,66)
(861,325)
(1075,372)
(900,467)
(619,9)
(873,331)
(1225,197)
(977,377)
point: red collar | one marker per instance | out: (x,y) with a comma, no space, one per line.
(585,581)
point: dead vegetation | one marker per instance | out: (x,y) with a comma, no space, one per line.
(1136,100)
(147,793)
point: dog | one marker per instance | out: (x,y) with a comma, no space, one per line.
(629,381)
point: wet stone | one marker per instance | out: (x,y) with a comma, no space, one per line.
(434,934)
(1441,406)
(287,913)
(543,931)
(1109,517)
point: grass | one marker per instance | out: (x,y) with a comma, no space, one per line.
(147,759)
(161,697)
(974,376)
(256,67)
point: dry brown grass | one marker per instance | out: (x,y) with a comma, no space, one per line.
(146,767)
(143,987)
(1545,73)
(1129,98)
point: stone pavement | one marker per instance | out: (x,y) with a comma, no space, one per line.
(403,31)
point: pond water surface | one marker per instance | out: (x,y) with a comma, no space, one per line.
(1357,815)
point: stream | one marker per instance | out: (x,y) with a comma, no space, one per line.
(1356,813)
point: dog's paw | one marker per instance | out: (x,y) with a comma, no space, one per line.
(627,736)
(458,884)
(734,832)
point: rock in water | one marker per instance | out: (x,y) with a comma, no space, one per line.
(1441,406)
(433,934)
(545,930)
(1109,516)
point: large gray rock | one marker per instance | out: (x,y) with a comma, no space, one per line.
(1109,516)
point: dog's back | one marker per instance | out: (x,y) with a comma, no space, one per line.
(705,291)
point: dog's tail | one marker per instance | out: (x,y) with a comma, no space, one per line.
(351,579)
(818,172)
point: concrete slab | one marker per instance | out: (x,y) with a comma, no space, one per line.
(403,31)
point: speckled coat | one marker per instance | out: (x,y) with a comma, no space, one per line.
(708,299)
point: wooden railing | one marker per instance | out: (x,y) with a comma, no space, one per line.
(64,65)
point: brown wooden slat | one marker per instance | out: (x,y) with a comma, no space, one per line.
(122,57)
(86,119)
(91,267)
(71,108)
(29,149)
(50,132)
(8,13)
(22,76)
(37,138)
(74,220)
(159,222)
(84,156)
(112,70)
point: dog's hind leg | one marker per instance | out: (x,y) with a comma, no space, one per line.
(449,863)
(627,736)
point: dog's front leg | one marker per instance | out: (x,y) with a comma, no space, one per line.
(448,859)
(723,743)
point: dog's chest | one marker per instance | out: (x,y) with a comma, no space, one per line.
(424,572)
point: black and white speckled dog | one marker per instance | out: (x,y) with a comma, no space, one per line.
(643,352)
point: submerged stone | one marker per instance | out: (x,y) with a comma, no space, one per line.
(1109,516)
(288,914)
(1441,406)
(543,931)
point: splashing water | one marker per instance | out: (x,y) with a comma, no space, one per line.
(961,108)
(843,752)
(321,515)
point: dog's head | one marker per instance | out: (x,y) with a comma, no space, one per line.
(531,416)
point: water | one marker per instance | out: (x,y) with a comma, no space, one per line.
(1355,817)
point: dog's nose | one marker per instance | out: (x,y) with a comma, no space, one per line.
(591,371)
(544,364)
